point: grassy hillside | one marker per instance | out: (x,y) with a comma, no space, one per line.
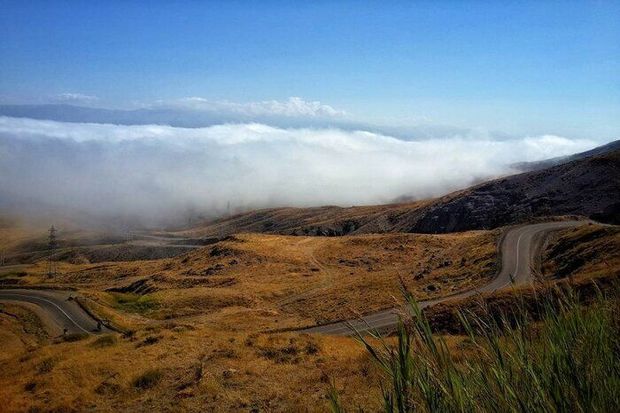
(197,325)
(302,279)
(589,251)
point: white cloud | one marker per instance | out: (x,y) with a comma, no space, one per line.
(75,98)
(154,171)
(292,107)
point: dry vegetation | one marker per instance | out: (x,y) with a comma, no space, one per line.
(589,251)
(181,367)
(288,281)
(327,220)
(197,324)
(14,231)
(580,187)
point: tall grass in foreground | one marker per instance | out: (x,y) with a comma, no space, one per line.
(568,362)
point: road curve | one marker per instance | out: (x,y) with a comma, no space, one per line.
(58,310)
(517,250)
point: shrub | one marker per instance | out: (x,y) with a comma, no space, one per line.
(134,303)
(104,341)
(46,365)
(71,338)
(30,386)
(149,341)
(148,379)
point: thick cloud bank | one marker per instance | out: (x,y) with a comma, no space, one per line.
(159,171)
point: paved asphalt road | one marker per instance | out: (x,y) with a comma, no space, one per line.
(518,248)
(55,308)
(58,310)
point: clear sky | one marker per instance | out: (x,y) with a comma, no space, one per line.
(523,68)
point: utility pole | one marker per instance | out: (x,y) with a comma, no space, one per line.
(52,244)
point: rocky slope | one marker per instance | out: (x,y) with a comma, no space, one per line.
(588,187)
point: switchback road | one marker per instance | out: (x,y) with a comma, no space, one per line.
(518,248)
(57,310)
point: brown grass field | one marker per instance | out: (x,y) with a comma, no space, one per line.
(198,324)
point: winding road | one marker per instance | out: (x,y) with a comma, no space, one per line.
(518,248)
(56,309)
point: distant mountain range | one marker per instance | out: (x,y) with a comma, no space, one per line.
(190,118)
(585,184)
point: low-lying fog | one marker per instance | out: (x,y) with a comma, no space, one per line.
(153,172)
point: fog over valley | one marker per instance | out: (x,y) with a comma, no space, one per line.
(159,174)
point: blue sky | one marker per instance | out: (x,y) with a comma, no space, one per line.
(527,68)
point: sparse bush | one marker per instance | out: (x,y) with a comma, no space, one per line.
(134,303)
(46,365)
(288,353)
(107,388)
(130,334)
(104,341)
(30,386)
(147,380)
(312,348)
(150,340)
(250,340)
(567,363)
(71,338)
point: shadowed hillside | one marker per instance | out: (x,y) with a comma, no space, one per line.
(583,187)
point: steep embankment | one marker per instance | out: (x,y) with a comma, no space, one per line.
(587,252)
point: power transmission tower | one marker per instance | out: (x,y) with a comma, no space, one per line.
(52,244)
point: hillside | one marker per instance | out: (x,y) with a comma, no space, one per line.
(547,163)
(303,277)
(325,221)
(587,186)
(583,187)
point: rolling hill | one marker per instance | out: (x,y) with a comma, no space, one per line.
(586,185)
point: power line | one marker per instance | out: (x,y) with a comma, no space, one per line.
(52,244)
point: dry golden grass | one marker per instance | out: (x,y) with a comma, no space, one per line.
(20,331)
(588,251)
(326,220)
(199,330)
(288,281)
(198,369)
(198,322)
